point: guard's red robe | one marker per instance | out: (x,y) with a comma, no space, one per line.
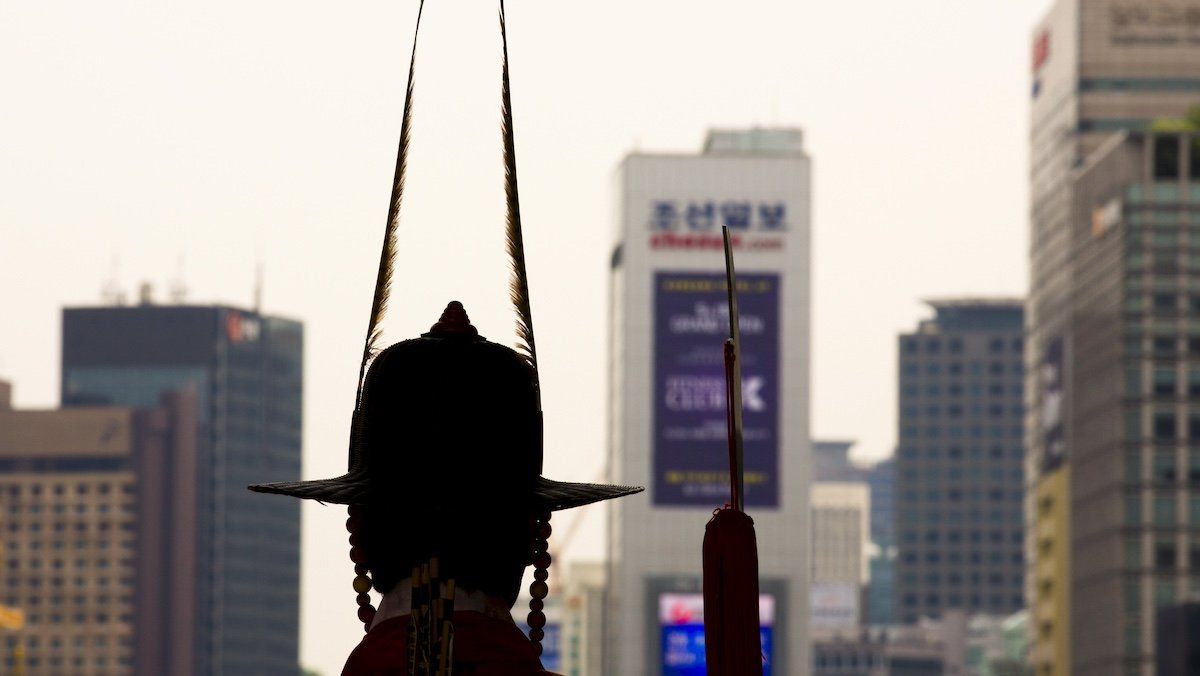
(483,646)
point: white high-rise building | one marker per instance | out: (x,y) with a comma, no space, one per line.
(667,392)
(841,513)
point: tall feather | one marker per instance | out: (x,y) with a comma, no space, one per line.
(383,278)
(518,286)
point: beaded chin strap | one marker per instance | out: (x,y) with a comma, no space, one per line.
(362,582)
(538,589)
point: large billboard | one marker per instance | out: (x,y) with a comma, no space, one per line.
(691,323)
(681,631)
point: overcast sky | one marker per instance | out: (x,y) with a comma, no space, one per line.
(163,140)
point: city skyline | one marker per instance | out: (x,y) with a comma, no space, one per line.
(195,151)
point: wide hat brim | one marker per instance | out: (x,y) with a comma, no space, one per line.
(356,488)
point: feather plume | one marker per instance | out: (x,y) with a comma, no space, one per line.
(518,286)
(387,257)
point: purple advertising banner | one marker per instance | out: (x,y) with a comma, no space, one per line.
(691,323)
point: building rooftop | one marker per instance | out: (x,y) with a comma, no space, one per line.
(755,141)
(976,302)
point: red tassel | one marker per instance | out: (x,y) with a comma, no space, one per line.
(732,645)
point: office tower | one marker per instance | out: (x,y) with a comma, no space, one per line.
(841,513)
(1097,68)
(245,371)
(95,535)
(959,468)
(667,391)
(1125,371)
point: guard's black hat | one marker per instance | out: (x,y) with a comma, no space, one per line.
(450,421)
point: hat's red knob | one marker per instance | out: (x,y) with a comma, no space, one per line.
(454,321)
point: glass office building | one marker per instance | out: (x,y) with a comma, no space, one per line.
(245,371)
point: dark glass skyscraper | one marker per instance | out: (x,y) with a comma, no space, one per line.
(246,372)
(959,481)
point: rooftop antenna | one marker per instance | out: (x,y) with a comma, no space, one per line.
(178,289)
(258,285)
(110,290)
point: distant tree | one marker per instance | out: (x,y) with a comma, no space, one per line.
(1190,122)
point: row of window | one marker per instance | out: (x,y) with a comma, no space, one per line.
(78,641)
(103,664)
(81,582)
(955,452)
(956,411)
(961,432)
(957,389)
(1165,555)
(1164,509)
(60,489)
(955,368)
(34,600)
(955,345)
(968,601)
(959,579)
(1163,346)
(972,536)
(16,509)
(58,564)
(1164,467)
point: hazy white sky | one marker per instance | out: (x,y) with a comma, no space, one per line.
(221,132)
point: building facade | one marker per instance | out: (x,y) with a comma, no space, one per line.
(94,535)
(841,513)
(1098,66)
(1130,369)
(959,482)
(245,371)
(667,391)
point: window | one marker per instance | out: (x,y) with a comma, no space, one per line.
(1164,346)
(1164,555)
(1164,381)
(1194,426)
(1165,302)
(1164,510)
(1164,426)
(996,345)
(1164,466)
(1166,157)
(1133,509)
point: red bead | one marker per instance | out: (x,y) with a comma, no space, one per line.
(367,627)
(366,614)
(544,530)
(537,649)
(360,569)
(541,560)
(356,555)
(354,539)
(536,634)
(536,604)
(541,574)
(353,524)
(536,620)
(539,590)
(363,599)
(354,510)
